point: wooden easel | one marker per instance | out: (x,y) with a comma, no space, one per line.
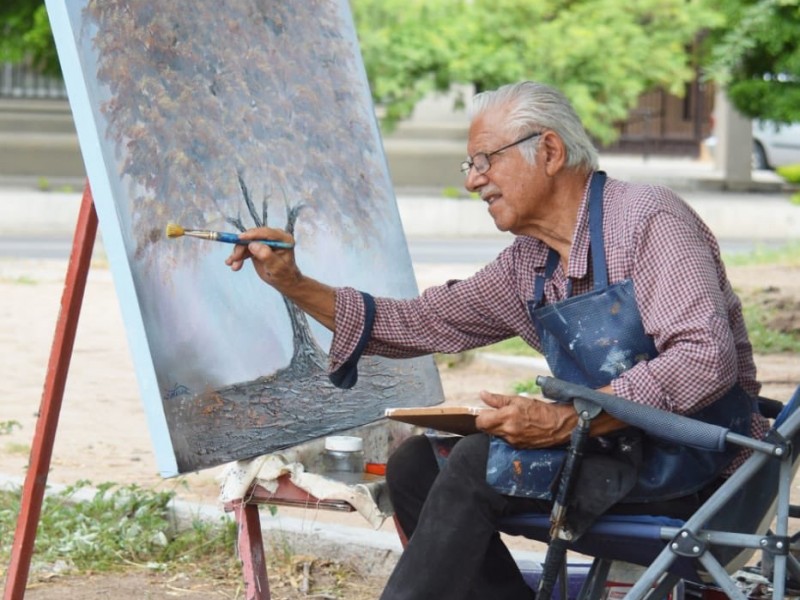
(52,396)
(250,542)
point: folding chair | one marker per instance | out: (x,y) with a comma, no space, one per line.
(722,534)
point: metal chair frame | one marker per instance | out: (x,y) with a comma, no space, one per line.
(704,542)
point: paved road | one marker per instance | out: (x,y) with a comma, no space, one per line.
(57,246)
(423,250)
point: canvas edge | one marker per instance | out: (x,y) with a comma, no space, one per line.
(88,137)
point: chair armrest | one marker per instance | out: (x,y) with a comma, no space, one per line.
(668,426)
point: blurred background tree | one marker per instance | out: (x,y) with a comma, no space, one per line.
(756,55)
(25,36)
(602,53)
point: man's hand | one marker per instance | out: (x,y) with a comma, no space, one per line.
(276,266)
(526,422)
(530,423)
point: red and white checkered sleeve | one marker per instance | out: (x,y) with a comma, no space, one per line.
(684,308)
(453,317)
(350,320)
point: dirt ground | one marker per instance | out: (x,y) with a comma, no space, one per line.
(103,436)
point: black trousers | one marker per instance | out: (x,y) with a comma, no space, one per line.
(451,517)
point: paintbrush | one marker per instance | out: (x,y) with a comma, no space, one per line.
(175,231)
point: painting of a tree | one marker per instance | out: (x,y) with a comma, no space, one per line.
(228,115)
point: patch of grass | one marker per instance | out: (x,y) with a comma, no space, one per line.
(118,527)
(526,387)
(21,280)
(766,340)
(515,346)
(788,255)
(8,427)
(451,361)
(16,448)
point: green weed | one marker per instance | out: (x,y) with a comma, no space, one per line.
(765,339)
(529,386)
(8,427)
(119,526)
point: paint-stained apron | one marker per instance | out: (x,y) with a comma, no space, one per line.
(589,340)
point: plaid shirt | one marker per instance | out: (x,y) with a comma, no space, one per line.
(652,237)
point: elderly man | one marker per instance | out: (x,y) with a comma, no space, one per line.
(619,285)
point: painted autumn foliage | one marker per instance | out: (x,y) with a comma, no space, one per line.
(204,111)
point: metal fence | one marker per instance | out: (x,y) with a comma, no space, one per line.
(17,81)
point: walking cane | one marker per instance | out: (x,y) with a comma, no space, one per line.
(560,536)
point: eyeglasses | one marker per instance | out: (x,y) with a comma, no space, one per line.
(481,161)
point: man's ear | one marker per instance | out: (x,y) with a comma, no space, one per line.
(552,153)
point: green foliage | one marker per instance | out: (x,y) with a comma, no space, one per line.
(602,53)
(791,173)
(756,55)
(25,36)
(118,525)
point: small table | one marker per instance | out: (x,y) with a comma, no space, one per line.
(250,541)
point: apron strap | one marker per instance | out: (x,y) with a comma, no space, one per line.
(596,244)
(538,284)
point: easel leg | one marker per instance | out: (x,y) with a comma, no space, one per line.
(55,380)
(251,551)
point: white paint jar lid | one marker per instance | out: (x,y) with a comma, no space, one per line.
(344,443)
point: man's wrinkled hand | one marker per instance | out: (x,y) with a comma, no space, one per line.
(526,422)
(275,266)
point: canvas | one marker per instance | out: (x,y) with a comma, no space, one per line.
(224,116)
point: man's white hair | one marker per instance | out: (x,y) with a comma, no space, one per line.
(536,107)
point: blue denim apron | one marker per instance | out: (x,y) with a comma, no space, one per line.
(591,339)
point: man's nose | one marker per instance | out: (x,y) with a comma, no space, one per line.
(474,180)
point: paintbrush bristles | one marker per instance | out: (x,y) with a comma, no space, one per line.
(174,230)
